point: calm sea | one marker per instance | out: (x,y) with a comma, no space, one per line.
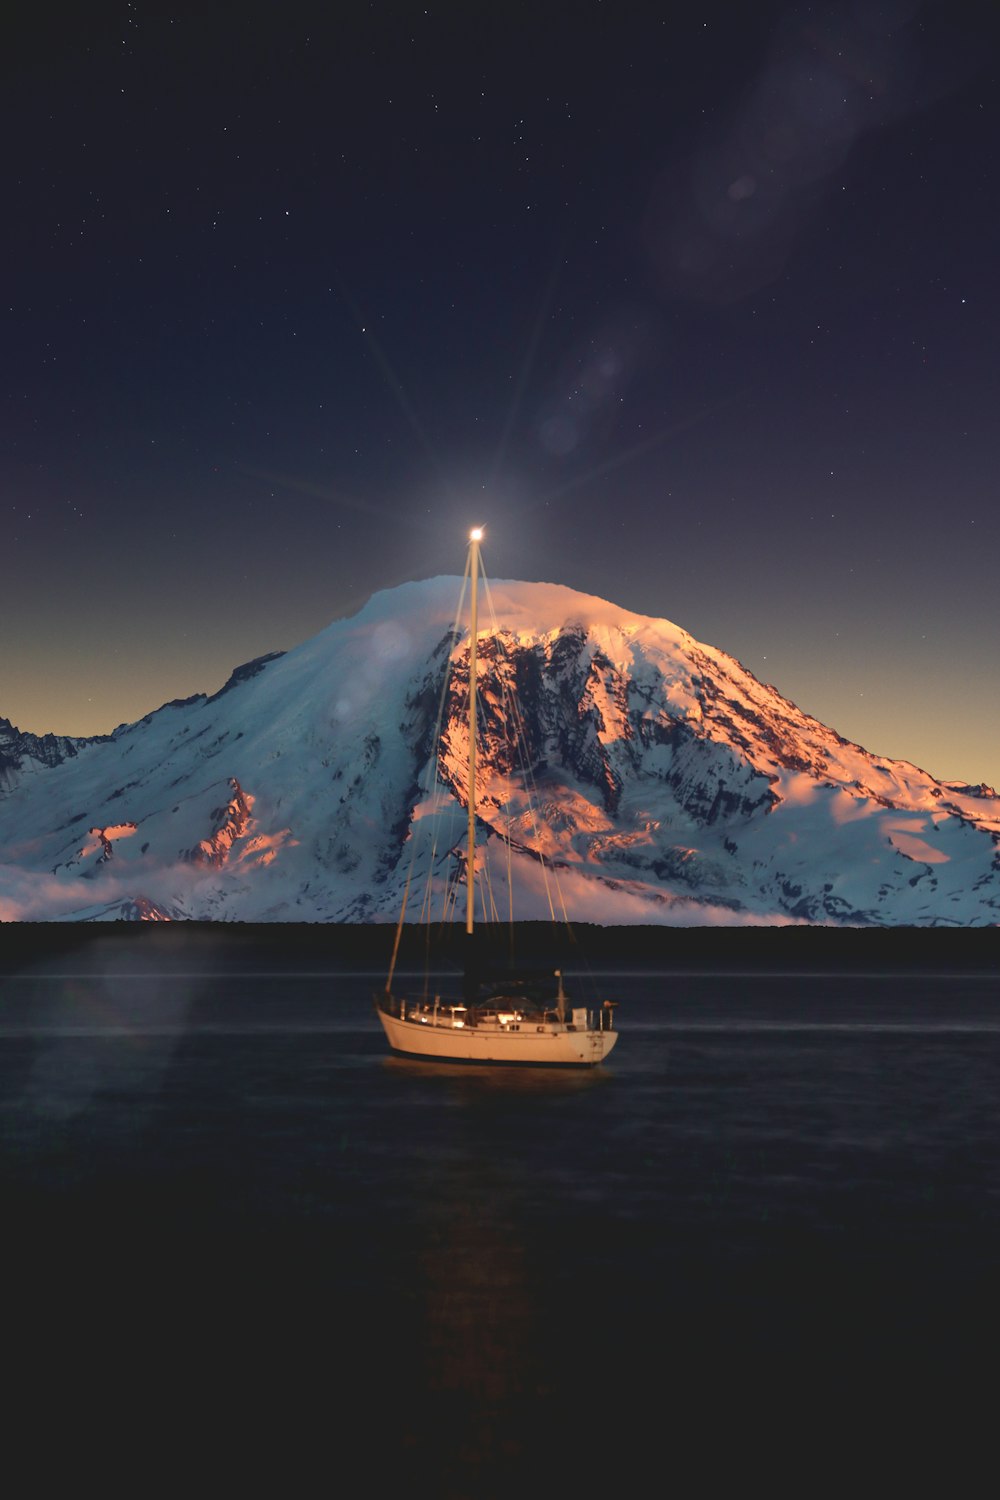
(243,1243)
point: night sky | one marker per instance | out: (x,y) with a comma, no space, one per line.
(696,307)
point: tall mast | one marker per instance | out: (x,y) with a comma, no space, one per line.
(475,537)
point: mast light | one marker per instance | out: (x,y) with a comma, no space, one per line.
(476,534)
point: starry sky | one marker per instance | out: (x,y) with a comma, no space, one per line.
(695,307)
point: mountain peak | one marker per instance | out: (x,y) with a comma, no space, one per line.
(658,778)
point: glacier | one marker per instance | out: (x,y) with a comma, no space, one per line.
(658,781)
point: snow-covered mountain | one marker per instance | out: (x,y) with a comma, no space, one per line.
(667,785)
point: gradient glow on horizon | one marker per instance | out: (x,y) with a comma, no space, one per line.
(699,312)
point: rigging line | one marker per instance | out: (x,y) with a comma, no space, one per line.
(455,869)
(441,798)
(534,801)
(406,892)
(510,873)
(486,895)
(426,905)
(438,804)
(451,896)
(513,706)
(427,960)
(487,879)
(437,797)
(482,698)
(440,874)
(454,887)
(399,931)
(488,912)
(531,785)
(448,883)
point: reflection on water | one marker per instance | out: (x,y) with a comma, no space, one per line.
(472,1079)
(483,1281)
(778,1198)
(477,1292)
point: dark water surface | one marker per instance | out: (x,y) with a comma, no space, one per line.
(761,1244)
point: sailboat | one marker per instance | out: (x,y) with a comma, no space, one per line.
(511,1020)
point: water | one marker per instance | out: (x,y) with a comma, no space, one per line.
(760,1243)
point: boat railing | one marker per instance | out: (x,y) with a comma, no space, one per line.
(580,1019)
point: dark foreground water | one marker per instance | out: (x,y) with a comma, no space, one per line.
(243,1244)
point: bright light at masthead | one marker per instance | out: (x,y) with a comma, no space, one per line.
(476,534)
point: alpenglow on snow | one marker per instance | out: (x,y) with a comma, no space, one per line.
(668,785)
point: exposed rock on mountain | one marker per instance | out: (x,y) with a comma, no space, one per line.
(653,779)
(21,752)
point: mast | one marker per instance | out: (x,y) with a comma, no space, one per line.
(475,537)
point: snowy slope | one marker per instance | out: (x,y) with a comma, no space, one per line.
(669,785)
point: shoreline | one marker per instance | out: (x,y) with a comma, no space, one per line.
(919,950)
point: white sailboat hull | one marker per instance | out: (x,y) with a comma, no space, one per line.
(548,1044)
